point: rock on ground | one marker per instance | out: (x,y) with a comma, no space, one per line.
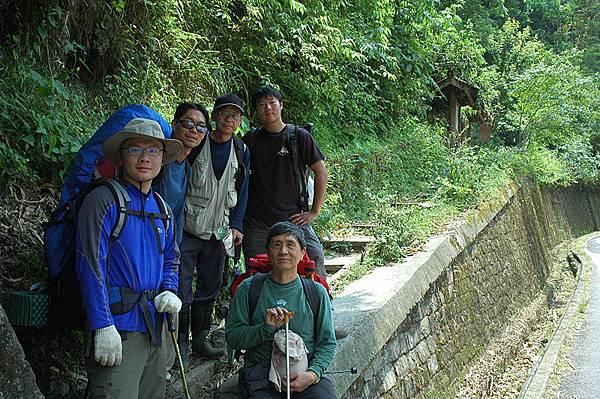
(16,377)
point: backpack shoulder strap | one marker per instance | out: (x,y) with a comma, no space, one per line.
(122,202)
(165,214)
(256,285)
(314,301)
(308,285)
(292,137)
(239,147)
(122,199)
(250,136)
(310,290)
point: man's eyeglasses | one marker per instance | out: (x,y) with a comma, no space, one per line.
(230,115)
(137,151)
(188,124)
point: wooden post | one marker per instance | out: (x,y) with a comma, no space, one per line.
(453,118)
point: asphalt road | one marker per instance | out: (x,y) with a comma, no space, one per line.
(583,381)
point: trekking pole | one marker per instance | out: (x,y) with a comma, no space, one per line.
(288,316)
(287,358)
(171,326)
(351,370)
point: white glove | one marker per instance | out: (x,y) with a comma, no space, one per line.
(167,302)
(108,350)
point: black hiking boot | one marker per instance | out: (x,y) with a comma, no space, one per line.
(201,314)
(204,349)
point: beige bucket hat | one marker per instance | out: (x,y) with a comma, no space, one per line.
(145,129)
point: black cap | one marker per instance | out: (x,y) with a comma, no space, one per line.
(229,99)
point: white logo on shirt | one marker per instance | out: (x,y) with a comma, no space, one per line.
(283,152)
(281,303)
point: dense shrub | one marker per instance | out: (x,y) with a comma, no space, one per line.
(363,73)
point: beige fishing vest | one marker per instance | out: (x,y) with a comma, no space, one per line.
(208,200)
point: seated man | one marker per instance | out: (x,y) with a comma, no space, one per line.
(282,293)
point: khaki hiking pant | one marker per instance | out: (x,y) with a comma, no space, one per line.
(141,374)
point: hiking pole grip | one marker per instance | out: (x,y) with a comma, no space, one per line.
(170,322)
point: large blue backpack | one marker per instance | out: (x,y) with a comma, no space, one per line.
(89,170)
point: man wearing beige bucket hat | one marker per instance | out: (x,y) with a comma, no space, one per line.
(128,281)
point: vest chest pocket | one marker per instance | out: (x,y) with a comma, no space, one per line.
(199,172)
(195,214)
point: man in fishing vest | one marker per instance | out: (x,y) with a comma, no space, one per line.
(190,125)
(129,281)
(215,203)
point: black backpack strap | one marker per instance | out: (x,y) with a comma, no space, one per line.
(120,195)
(166,214)
(239,147)
(250,136)
(256,285)
(122,199)
(314,301)
(299,171)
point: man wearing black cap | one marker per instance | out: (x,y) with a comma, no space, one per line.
(215,204)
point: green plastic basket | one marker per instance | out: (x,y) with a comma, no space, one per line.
(28,308)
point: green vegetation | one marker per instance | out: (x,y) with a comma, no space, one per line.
(363,72)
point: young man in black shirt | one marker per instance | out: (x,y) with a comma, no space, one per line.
(274,191)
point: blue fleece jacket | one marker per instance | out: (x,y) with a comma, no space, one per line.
(133,260)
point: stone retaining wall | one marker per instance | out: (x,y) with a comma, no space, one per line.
(416,327)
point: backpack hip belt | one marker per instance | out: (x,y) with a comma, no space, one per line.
(124,299)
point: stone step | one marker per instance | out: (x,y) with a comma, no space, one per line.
(356,244)
(364,225)
(346,262)
(332,265)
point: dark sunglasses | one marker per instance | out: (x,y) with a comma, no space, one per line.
(188,124)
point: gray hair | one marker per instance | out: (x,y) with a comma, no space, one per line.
(288,229)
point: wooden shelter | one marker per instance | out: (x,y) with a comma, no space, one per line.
(456,93)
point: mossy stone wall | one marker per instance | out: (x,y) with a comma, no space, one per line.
(487,279)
